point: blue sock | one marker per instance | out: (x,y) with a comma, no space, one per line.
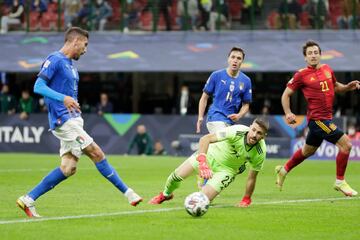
(110,174)
(48,182)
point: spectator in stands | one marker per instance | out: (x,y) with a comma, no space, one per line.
(204,8)
(26,105)
(7,101)
(190,16)
(42,106)
(289,11)
(71,10)
(131,15)
(84,15)
(102,12)
(318,11)
(350,14)
(39,6)
(142,140)
(159,148)
(353,133)
(164,9)
(219,8)
(246,10)
(104,106)
(15,17)
(186,103)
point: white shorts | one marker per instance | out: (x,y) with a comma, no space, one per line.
(215,126)
(73,137)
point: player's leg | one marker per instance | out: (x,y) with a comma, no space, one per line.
(219,181)
(174,180)
(213,127)
(94,152)
(313,141)
(344,145)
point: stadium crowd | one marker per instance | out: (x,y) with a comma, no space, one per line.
(203,15)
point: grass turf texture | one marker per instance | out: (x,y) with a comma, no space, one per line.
(87,192)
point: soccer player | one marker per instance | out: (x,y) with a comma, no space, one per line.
(318,84)
(219,158)
(58,82)
(231,91)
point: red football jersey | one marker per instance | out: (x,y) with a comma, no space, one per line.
(317,86)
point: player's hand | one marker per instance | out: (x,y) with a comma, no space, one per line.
(245,202)
(198,124)
(290,118)
(71,105)
(234,117)
(353,85)
(204,170)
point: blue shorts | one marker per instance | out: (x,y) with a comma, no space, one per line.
(322,129)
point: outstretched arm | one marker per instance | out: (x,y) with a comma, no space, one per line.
(202,106)
(43,89)
(249,190)
(204,169)
(351,86)
(285,102)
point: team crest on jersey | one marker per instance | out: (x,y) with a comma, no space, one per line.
(241,86)
(327,74)
(46,63)
(80,139)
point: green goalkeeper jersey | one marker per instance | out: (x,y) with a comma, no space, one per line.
(232,151)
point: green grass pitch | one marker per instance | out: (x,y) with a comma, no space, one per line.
(86,206)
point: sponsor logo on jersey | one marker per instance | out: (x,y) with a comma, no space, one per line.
(223,81)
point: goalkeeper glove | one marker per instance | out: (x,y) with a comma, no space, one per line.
(204,170)
(245,202)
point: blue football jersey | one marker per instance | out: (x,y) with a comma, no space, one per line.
(228,94)
(61,76)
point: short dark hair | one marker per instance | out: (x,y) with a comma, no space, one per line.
(263,123)
(237,49)
(73,32)
(310,43)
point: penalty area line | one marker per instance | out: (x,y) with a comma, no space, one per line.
(31,220)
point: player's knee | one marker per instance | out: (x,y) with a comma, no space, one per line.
(346,148)
(68,170)
(97,155)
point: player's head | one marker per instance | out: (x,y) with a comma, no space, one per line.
(312,53)
(77,38)
(236,57)
(258,130)
(141,129)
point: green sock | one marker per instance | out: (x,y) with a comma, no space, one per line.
(172,183)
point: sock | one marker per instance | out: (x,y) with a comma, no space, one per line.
(295,160)
(341,163)
(49,181)
(110,174)
(172,183)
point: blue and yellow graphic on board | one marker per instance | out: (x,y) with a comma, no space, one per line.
(124,55)
(121,122)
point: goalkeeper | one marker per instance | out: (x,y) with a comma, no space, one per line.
(221,161)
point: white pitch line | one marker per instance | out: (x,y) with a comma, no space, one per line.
(30,220)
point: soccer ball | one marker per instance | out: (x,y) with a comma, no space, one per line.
(196,204)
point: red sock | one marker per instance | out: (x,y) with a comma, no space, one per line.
(295,160)
(341,163)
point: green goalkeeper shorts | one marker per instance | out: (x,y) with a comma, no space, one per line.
(222,177)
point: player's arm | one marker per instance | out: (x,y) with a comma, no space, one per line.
(249,190)
(351,86)
(43,89)
(202,106)
(204,169)
(243,110)
(285,102)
